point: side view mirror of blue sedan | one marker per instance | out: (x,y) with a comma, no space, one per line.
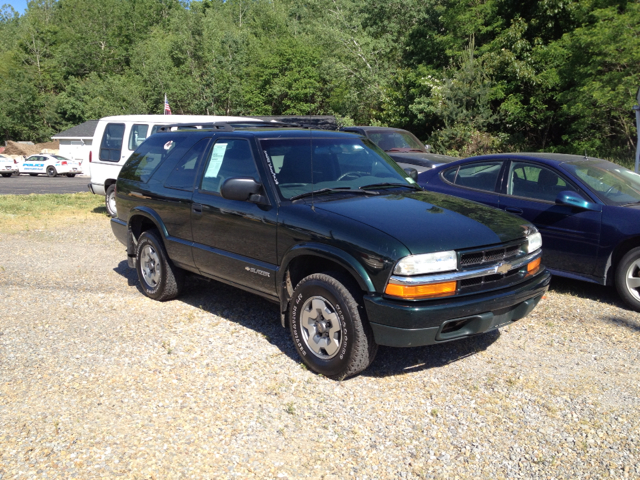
(574,199)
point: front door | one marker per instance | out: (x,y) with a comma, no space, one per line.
(570,236)
(233,240)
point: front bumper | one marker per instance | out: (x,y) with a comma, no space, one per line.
(409,324)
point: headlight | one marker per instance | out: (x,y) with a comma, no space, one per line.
(534,242)
(427,263)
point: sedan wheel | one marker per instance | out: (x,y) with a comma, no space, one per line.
(628,278)
(51,171)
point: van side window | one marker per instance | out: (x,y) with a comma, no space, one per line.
(111,145)
(137,136)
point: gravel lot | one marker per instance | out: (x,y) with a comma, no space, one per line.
(98,381)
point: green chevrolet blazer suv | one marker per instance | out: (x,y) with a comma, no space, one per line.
(326,225)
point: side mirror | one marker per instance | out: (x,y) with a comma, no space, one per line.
(243,189)
(574,199)
(412,172)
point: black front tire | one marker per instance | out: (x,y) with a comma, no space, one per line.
(51,171)
(159,278)
(329,326)
(110,201)
(628,278)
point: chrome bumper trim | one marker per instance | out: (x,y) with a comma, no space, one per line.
(497,268)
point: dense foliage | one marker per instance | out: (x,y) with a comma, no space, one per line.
(467,76)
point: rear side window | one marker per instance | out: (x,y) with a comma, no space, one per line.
(150,155)
(183,175)
(111,145)
(480,176)
(137,136)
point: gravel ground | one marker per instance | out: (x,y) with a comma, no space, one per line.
(98,381)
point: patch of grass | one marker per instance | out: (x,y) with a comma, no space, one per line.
(48,211)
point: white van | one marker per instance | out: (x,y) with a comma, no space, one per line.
(116,138)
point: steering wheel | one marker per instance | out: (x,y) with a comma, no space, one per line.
(351,175)
(615,186)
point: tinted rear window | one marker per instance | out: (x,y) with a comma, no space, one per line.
(152,153)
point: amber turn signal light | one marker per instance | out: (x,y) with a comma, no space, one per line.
(416,292)
(532,267)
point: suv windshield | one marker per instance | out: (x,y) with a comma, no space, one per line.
(299,166)
(613,184)
(396,141)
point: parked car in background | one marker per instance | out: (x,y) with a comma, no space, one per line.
(50,165)
(402,146)
(8,166)
(587,210)
(322,223)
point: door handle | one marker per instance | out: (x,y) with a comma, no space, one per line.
(517,211)
(196,208)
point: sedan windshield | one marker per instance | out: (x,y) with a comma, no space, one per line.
(396,141)
(300,166)
(613,184)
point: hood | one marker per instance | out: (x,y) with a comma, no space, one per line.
(429,222)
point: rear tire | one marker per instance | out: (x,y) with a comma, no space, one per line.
(110,201)
(628,278)
(51,171)
(329,326)
(159,278)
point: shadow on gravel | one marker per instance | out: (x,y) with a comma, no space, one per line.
(591,291)
(252,311)
(128,273)
(397,361)
(597,293)
(238,306)
(100,210)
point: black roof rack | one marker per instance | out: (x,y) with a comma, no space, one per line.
(221,126)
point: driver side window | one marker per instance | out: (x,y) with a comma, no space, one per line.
(535,182)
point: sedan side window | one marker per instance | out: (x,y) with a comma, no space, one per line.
(480,176)
(228,159)
(536,182)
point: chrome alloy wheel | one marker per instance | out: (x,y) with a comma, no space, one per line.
(150,266)
(321,327)
(632,279)
(112,203)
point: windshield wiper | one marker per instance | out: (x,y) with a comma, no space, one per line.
(405,150)
(390,185)
(330,190)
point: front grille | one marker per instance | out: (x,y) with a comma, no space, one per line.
(490,255)
(488,279)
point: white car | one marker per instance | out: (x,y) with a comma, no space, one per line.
(50,165)
(8,166)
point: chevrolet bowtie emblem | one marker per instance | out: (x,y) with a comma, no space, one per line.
(503,268)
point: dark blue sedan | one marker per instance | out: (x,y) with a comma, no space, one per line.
(587,209)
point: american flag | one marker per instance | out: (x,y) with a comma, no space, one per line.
(167,108)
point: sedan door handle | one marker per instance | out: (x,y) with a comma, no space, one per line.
(517,211)
(196,208)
